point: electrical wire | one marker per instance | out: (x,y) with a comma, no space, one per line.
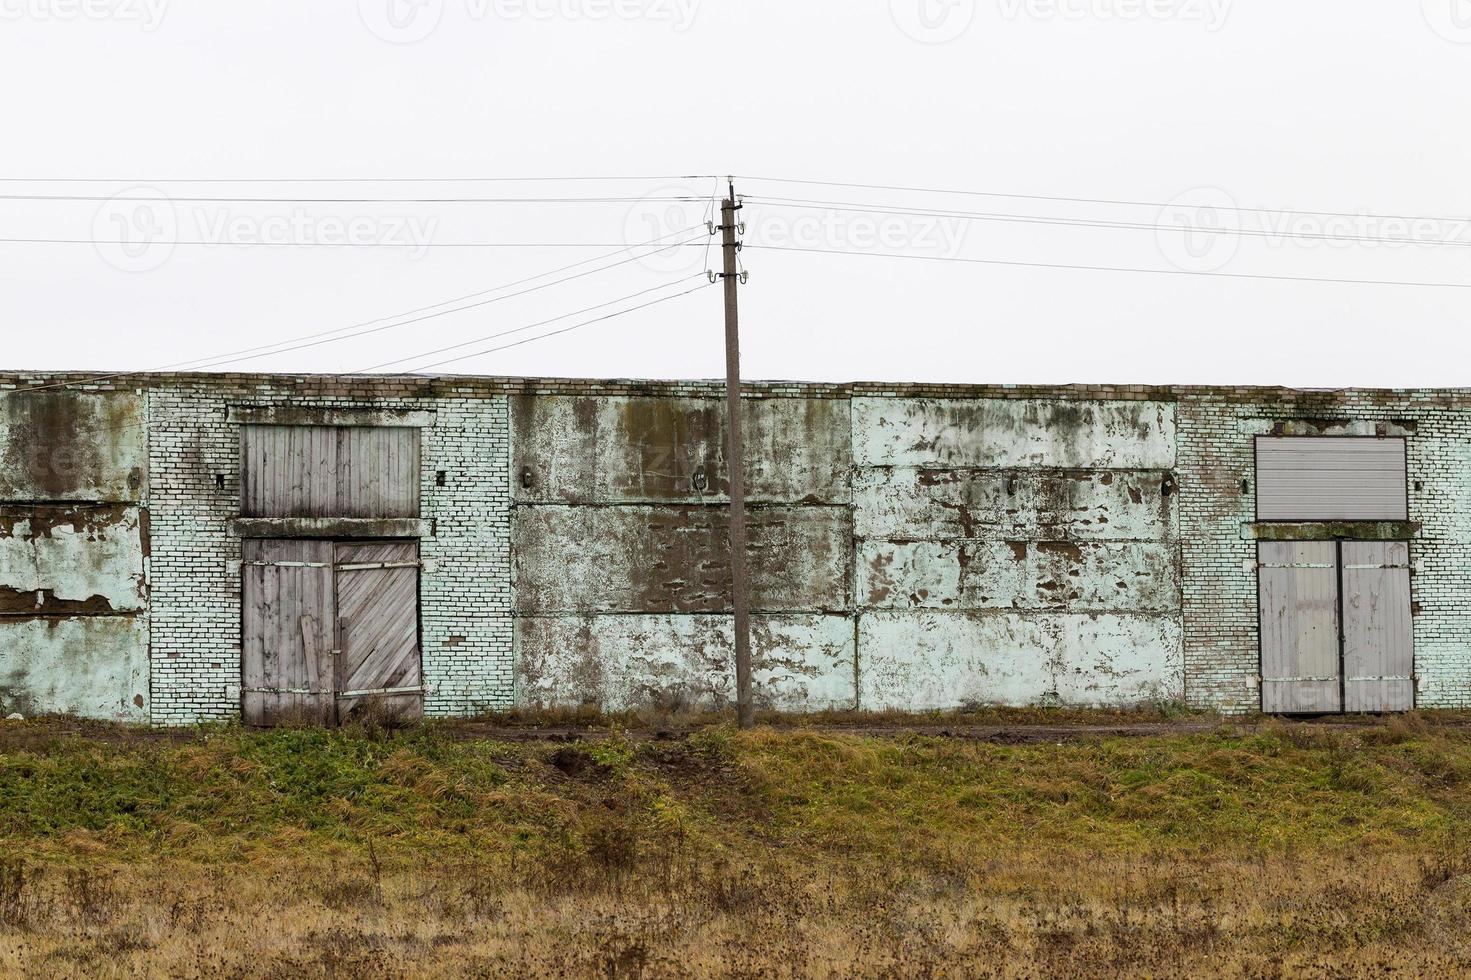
(557,333)
(1093,200)
(94,241)
(1110,268)
(336,180)
(281,346)
(851,207)
(530,326)
(170,198)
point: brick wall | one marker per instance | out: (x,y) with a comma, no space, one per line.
(192,495)
(465,590)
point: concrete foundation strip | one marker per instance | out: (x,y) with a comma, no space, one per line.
(336,694)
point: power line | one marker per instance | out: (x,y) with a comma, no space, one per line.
(556,333)
(170,198)
(150,244)
(853,207)
(281,346)
(1110,268)
(529,326)
(1094,200)
(339,180)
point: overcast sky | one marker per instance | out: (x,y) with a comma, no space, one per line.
(1188,108)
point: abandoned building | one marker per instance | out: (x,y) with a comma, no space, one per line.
(183,547)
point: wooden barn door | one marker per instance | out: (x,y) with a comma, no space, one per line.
(288,640)
(330,631)
(379,668)
(1378,649)
(1298,592)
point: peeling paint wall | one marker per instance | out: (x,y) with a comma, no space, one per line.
(71,446)
(912,546)
(89,666)
(74,554)
(71,559)
(1016,552)
(622,552)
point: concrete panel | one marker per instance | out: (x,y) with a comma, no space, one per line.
(89,666)
(1018,505)
(69,446)
(941,433)
(626,450)
(1087,576)
(927,660)
(676,558)
(71,559)
(800,663)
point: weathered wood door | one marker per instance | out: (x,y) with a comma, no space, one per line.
(288,603)
(1378,648)
(1298,595)
(330,631)
(378,629)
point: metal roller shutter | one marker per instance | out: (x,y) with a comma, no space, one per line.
(1330,479)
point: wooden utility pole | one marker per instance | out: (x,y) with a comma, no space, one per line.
(734,462)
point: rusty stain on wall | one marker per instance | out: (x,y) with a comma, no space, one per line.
(70,446)
(635,449)
(1013,504)
(1132,576)
(989,432)
(676,558)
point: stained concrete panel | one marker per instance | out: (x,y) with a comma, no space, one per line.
(800,662)
(71,559)
(626,450)
(1016,505)
(935,660)
(988,432)
(88,666)
(1075,576)
(676,558)
(70,446)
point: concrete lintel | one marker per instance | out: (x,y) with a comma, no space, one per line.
(306,415)
(1379,428)
(331,527)
(1331,530)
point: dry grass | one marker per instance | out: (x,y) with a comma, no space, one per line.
(1290,851)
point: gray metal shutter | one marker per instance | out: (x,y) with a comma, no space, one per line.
(1330,479)
(1378,655)
(1298,593)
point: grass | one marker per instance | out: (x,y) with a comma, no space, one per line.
(1270,849)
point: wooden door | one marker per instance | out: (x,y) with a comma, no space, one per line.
(379,667)
(1378,649)
(288,605)
(1298,596)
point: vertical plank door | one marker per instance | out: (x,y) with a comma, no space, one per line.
(378,629)
(287,638)
(1378,648)
(1298,596)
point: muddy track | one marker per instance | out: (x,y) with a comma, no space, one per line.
(19,736)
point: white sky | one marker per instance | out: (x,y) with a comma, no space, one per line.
(1352,106)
